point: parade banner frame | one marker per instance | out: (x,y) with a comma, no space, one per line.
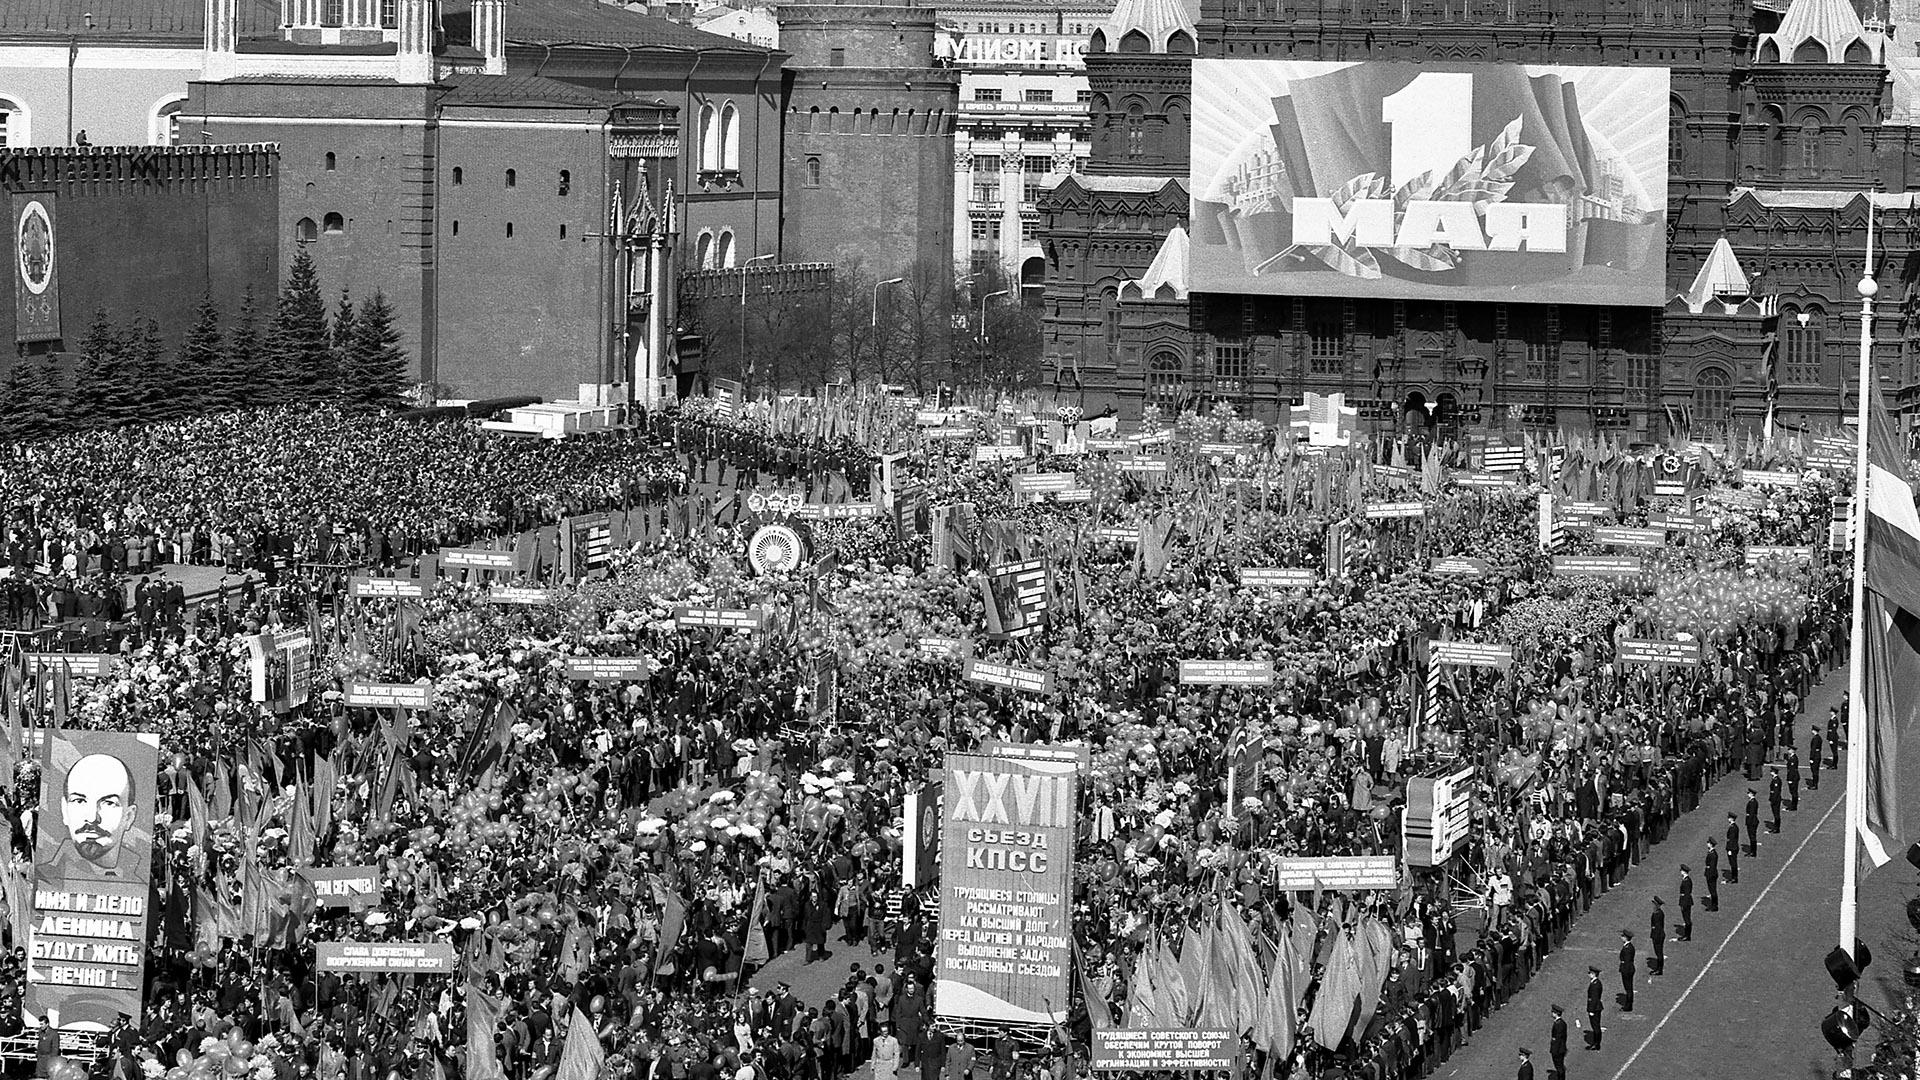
(343,886)
(394,957)
(1345,873)
(87,942)
(1226,673)
(1277,577)
(389,695)
(1656,652)
(1163,1049)
(1006,869)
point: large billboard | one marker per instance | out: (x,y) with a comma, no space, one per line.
(93,855)
(1519,183)
(1006,866)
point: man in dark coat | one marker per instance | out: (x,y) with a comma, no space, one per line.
(1793,779)
(1753,823)
(1733,850)
(1813,760)
(1774,800)
(1685,932)
(1626,970)
(1557,1044)
(1526,1065)
(1596,995)
(1657,935)
(1713,876)
(819,919)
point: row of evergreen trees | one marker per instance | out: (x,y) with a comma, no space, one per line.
(125,374)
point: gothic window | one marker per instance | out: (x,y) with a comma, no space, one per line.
(1326,348)
(1803,339)
(1136,130)
(1164,379)
(1712,401)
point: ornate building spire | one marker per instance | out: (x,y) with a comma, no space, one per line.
(1822,32)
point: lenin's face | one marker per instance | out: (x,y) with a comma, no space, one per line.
(97,807)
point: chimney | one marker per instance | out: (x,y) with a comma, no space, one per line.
(490,34)
(414,65)
(221,43)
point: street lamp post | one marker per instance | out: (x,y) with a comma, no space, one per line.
(983,311)
(747,367)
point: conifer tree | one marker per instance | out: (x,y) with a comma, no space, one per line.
(157,391)
(204,364)
(31,398)
(298,350)
(103,391)
(246,357)
(380,370)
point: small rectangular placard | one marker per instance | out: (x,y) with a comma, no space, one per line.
(390,695)
(79,665)
(1758,553)
(1396,510)
(1025,680)
(1472,654)
(516,594)
(1275,577)
(1597,565)
(1621,536)
(477,558)
(724,618)
(1163,1050)
(1648,651)
(1226,672)
(412,957)
(1460,566)
(1340,872)
(373,588)
(609,668)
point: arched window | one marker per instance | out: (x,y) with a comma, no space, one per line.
(1135,42)
(1165,377)
(709,138)
(330,161)
(1712,402)
(1810,51)
(1136,130)
(1858,52)
(1676,138)
(1809,146)
(1110,316)
(459,176)
(509,230)
(723,251)
(813,172)
(305,231)
(14,127)
(703,251)
(1802,346)
(513,178)
(1180,43)
(163,129)
(566,182)
(730,137)
(333,224)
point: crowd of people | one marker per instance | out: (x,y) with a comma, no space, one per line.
(634,853)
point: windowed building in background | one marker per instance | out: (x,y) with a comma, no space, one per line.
(1716,235)
(1023,126)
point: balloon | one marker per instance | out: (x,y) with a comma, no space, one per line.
(182,1057)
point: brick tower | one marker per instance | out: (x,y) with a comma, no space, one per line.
(869,138)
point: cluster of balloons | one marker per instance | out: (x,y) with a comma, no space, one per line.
(1717,603)
(232,1056)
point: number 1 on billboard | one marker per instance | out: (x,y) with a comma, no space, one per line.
(1432,121)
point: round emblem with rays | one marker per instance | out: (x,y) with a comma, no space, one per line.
(776,549)
(34,243)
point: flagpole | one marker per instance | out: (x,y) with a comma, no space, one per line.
(1856,670)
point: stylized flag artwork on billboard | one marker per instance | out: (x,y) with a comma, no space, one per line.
(92,864)
(1006,880)
(1529,183)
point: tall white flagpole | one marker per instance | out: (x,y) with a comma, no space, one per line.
(1856,670)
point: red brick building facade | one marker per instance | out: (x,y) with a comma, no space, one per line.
(1780,124)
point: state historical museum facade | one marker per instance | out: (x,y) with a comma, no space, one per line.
(1781,127)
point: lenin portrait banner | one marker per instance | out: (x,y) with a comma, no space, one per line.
(1006,866)
(1437,181)
(93,854)
(36,268)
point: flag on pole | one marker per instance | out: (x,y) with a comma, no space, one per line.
(1099,1013)
(581,1056)
(755,950)
(1891,626)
